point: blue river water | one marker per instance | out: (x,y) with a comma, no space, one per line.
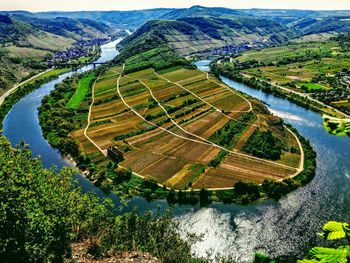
(280,228)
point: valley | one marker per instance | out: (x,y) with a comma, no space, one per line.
(29,45)
(211,160)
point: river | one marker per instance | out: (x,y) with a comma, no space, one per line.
(286,227)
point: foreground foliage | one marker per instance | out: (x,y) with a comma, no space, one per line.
(41,212)
(331,231)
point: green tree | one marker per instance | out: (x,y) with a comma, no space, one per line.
(39,209)
(41,213)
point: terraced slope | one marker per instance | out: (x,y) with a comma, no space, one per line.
(190,35)
(170,124)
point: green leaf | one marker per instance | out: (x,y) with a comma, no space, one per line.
(308,261)
(336,126)
(334,230)
(330,255)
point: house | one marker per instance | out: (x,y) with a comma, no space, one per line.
(115,154)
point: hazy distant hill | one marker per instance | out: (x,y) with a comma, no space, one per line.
(136,18)
(67,27)
(287,17)
(13,30)
(201,11)
(340,24)
(119,19)
(194,34)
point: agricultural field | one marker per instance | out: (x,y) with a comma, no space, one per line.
(301,73)
(319,68)
(290,51)
(82,90)
(183,128)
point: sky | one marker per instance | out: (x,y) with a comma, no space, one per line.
(79,5)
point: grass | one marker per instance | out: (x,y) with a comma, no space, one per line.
(313,86)
(82,90)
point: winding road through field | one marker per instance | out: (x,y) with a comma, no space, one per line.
(211,105)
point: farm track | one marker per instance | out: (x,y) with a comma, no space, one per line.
(172,120)
(236,93)
(89,118)
(208,103)
(243,139)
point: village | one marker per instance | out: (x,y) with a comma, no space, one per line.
(82,48)
(238,48)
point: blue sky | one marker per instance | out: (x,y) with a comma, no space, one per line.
(70,5)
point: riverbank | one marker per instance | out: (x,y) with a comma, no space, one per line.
(14,88)
(299,98)
(12,96)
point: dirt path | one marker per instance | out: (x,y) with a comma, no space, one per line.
(298,170)
(302,155)
(9,92)
(225,86)
(206,102)
(171,118)
(89,118)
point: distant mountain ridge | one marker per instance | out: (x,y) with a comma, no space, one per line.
(67,27)
(338,24)
(136,18)
(201,11)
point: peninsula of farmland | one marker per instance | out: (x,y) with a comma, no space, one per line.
(185,129)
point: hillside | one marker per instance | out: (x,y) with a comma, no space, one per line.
(26,41)
(22,47)
(136,18)
(67,27)
(191,35)
(13,30)
(338,24)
